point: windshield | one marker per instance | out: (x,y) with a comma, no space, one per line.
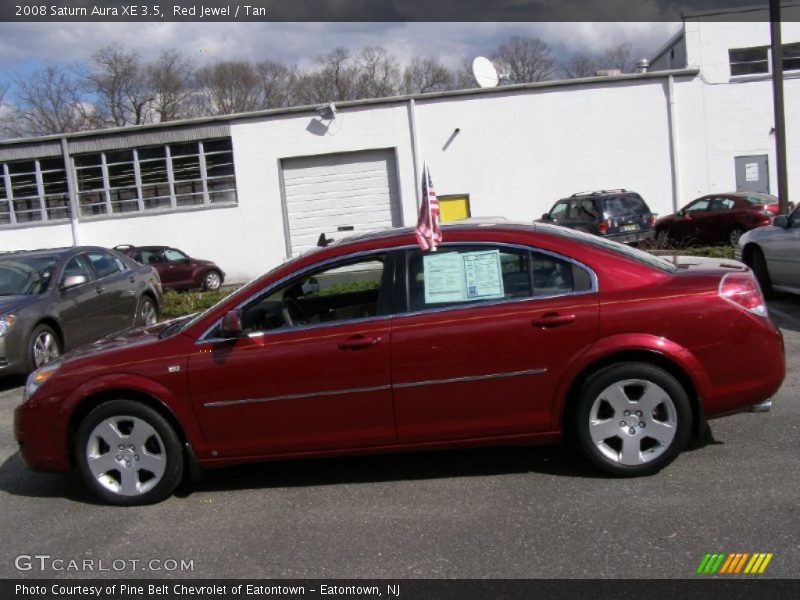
(629,251)
(25,276)
(628,204)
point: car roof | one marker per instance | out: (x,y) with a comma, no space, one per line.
(59,252)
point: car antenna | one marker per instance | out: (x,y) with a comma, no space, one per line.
(323,241)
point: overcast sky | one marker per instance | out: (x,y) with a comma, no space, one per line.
(24,46)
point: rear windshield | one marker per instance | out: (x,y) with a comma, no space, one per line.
(761,199)
(628,204)
(628,251)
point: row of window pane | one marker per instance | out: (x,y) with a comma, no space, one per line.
(170,176)
(751,61)
(33,191)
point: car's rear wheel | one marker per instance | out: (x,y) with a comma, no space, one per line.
(734,235)
(212,281)
(128,454)
(632,419)
(662,239)
(148,313)
(760,270)
(44,347)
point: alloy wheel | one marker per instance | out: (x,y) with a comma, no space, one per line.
(633,422)
(45,348)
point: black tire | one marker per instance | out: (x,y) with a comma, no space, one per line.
(662,240)
(734,234)
(42,335)
(761,271)
(120,475)
(627,450)
(147,313)
(212,281)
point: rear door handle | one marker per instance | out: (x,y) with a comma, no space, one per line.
(552,320)
(357,342)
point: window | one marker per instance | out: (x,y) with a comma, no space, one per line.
(104,264)
(553,276)
(698,206)
(346,291)
(467,274)
(559,211)
(748,61)
(752,61)
(76,266)
(33,191)
(179,175)
(173,255)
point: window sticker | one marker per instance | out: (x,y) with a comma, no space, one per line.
(454,277)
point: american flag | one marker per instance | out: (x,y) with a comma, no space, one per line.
(429,234)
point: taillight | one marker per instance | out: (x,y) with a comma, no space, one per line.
(653,219)
(603,228)
(742,290)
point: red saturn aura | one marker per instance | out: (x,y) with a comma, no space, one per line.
(507,334)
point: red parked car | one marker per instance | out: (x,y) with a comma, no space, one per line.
(717,219)
(508,334)
(175,268)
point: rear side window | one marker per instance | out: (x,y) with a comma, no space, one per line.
(104,264)
(466,275)
(553,276)
(627,204)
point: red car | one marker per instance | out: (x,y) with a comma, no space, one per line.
(717,219)
(508,334)
(175,268)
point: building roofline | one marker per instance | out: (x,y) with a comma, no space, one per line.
(730,11)
(679,35)
(240,117)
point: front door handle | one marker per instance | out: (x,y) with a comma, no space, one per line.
(357,342)
(552,320)
(99,289)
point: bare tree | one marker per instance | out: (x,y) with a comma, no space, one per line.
(230,86)
(49,101)
(426,75)
(278,83)
(334,79)
(379,74)
(171,80)
(619,57)
(525,60)
(119,80)
(579,65)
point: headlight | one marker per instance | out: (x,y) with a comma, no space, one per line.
(38,377)
(6,323)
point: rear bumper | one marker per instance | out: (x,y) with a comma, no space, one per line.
(633,237)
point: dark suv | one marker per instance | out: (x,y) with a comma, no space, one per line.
(619,215)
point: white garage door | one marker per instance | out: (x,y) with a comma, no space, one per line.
(339,195)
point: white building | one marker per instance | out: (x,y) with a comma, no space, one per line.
(250,190)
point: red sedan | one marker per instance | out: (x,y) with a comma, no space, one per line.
(717,218)
(508,334)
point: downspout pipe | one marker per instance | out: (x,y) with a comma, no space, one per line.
(71,191)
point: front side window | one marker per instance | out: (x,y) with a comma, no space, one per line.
(559,211)
(345,291)
(175,256)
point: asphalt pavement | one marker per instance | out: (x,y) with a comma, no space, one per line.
(486,513)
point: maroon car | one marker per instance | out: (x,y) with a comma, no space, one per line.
(717,219)
(508,334)
(175,268)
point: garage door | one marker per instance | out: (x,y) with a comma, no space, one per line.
(339,195)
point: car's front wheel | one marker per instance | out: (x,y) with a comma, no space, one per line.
(128,454)
(212,281)
(734,235)
(632,419)
(44,347)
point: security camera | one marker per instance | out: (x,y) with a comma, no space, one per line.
(327,112)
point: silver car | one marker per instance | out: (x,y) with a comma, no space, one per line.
(773,252)
(55,300)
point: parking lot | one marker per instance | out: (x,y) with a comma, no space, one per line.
(486,513)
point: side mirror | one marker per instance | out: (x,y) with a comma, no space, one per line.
(231,325)
(310,286)
(71,281)
(781,221)
(546,217)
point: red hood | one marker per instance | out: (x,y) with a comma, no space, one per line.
(124,339)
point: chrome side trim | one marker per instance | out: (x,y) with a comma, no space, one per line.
(376,388)
(413,384)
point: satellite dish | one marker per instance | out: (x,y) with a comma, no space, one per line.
(484,72)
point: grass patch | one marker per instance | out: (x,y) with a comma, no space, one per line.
(178,304)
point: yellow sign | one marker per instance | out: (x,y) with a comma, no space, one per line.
(453,208)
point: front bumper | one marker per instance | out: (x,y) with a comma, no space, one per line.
(12,352)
